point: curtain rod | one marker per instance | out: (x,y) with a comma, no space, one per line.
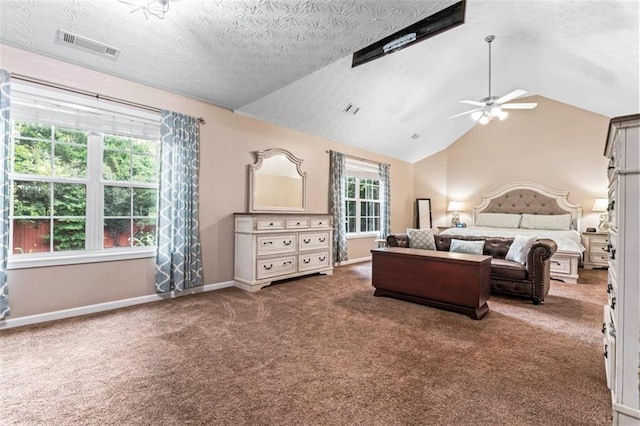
(366,160)
(90,94)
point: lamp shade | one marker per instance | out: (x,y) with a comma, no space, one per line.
(600,205)
(454,206)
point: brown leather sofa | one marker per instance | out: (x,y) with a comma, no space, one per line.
(507,277)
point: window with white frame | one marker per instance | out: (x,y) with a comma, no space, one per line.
(84,176)
(362,198)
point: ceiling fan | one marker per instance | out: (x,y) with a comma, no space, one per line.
(493,106)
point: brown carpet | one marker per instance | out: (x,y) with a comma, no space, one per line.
(319,350)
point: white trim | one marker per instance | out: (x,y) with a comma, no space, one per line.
(356,235)
(71,258)
(626,410)
(350,261)
(106,306)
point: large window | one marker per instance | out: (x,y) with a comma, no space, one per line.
(362,199)
(81,186)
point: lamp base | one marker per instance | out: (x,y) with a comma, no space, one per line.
(603,226)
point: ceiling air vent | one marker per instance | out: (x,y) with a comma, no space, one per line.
(351,109)
(83,43)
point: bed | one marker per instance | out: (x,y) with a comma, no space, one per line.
(534,203)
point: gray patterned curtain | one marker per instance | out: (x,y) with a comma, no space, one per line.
(5,128)
(385,198)
(337,206)
(179,258)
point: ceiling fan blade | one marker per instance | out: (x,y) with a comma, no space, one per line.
(476,103)
(531,105)
(509,96)
(466,112)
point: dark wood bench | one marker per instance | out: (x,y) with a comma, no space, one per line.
(454,281)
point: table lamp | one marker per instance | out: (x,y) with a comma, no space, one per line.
(601,205)
(455,207)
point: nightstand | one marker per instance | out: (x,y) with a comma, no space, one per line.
(596,254)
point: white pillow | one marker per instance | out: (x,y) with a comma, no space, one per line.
(546,221)
(498,220)
(519,249)
(464,246)
(421,239)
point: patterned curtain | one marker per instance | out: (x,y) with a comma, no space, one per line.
(5,128)
(179,258)
(385,198)
(337,205)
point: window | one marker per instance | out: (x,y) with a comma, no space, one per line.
(362,198)
(83,182)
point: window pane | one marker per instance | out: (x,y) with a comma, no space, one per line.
(376,209)
(30,130)
(351,187)
(142,146)
(116,165)
(30,236)
(351,224)
(144,169)
(363,189)
(363,225)
(117,201)
(351,208)
(117,233)
(31,198)
(144,232)
(376,224)
(376,193)
(144,202)
(32,158)
(120,143)
(69,199)
(70,161)
(71,135)
(68,234)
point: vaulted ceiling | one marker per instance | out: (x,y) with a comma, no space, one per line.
(289,61)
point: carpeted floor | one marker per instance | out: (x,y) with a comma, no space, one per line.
(318,350)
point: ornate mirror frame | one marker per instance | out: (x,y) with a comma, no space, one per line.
(260,157)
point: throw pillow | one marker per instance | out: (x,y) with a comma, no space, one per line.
(469,247)
(421,239)
(546,221)
(498,220)
(519,249)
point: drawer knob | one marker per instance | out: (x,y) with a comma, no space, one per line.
(306,241)
(288,262)
(321,259)
(271,224)
(267,267)
(306,261)
(613,254)
(604,328)
(297,223)
(609,288)
(287,243)
(322,240)
(264,243)
(320,223)
(606,351)
(613,303)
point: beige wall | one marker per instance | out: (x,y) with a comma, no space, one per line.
(556,144)
(226,143)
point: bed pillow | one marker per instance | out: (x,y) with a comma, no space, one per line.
(421,239)
(498,220)
(546,221)
(463,246)
(519,249)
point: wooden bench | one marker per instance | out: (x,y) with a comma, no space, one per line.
(454,281)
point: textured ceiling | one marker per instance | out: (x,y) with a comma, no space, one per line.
(288,61)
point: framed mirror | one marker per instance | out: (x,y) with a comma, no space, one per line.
(423,213)
(277,182)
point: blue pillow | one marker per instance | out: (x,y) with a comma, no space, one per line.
(469,247)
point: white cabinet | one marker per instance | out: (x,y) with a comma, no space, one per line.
(596,254)
(271,247)
(621,323)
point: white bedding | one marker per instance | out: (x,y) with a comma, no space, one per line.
(566,240)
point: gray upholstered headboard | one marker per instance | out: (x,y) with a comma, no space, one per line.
(529,197)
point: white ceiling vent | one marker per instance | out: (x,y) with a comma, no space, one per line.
(351,109)
(79,42)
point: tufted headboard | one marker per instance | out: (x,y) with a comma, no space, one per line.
(529,197)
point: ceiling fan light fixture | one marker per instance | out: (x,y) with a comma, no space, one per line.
(486,117)
(503,114)
(475,116)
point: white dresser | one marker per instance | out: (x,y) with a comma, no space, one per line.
(276,246)
(621,324)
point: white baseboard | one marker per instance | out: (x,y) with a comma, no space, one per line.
(350,261)
(107,306)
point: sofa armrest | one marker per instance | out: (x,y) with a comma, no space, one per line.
(538,267)
(398,240)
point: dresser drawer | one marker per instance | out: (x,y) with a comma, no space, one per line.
(613,249)
(318,240)
(560,264)
(298,223)
(274,267)
(313,261)
(273,223)
(598,253)
(320,222)
(274,244)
